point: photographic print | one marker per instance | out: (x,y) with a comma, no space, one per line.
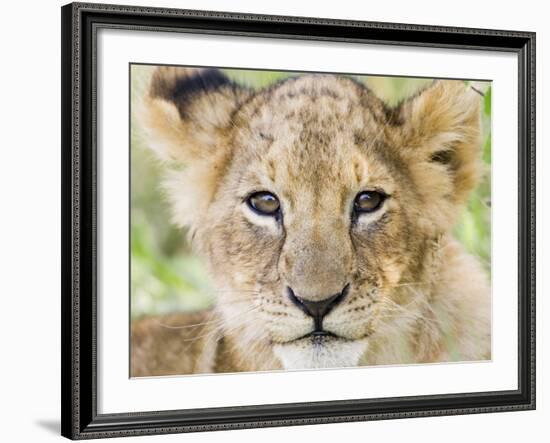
(307,220)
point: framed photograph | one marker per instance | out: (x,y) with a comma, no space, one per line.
(274,221)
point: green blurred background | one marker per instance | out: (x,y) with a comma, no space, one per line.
(167,277)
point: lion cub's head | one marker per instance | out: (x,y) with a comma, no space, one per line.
(311,200)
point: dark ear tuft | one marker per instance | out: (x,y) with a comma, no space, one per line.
(186,112)
(182,86)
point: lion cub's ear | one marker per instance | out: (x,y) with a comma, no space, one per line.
(186,110)
(441,142)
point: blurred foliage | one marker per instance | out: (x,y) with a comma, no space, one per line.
(166,276)
(474,227)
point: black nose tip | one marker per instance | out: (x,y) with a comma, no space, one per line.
(320,308)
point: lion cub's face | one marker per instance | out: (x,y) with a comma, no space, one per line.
(312,201)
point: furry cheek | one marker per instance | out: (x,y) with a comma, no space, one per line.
(251,247)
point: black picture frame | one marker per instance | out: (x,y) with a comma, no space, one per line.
(79,211)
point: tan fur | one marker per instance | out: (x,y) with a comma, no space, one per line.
(316,141)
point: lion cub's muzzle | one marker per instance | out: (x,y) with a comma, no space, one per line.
(318,309)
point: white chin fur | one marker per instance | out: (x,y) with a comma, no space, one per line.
(332,353)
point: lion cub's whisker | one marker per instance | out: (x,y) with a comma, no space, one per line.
(394,307)
(221,327)
(416,283)
(220,320)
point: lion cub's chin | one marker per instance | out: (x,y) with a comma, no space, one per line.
(312,353)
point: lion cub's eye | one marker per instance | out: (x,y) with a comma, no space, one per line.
(264,203)
(368,201)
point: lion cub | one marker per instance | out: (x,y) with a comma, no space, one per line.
(325,218)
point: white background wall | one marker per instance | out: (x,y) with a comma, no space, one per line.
(30,220)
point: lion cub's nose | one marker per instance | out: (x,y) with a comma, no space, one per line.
(320,308)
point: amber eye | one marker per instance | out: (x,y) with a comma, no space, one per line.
(368,201)
(264,203)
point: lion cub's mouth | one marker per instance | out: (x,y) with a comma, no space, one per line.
(320,350)
(318,336)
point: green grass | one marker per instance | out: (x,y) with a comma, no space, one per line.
(166,276)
